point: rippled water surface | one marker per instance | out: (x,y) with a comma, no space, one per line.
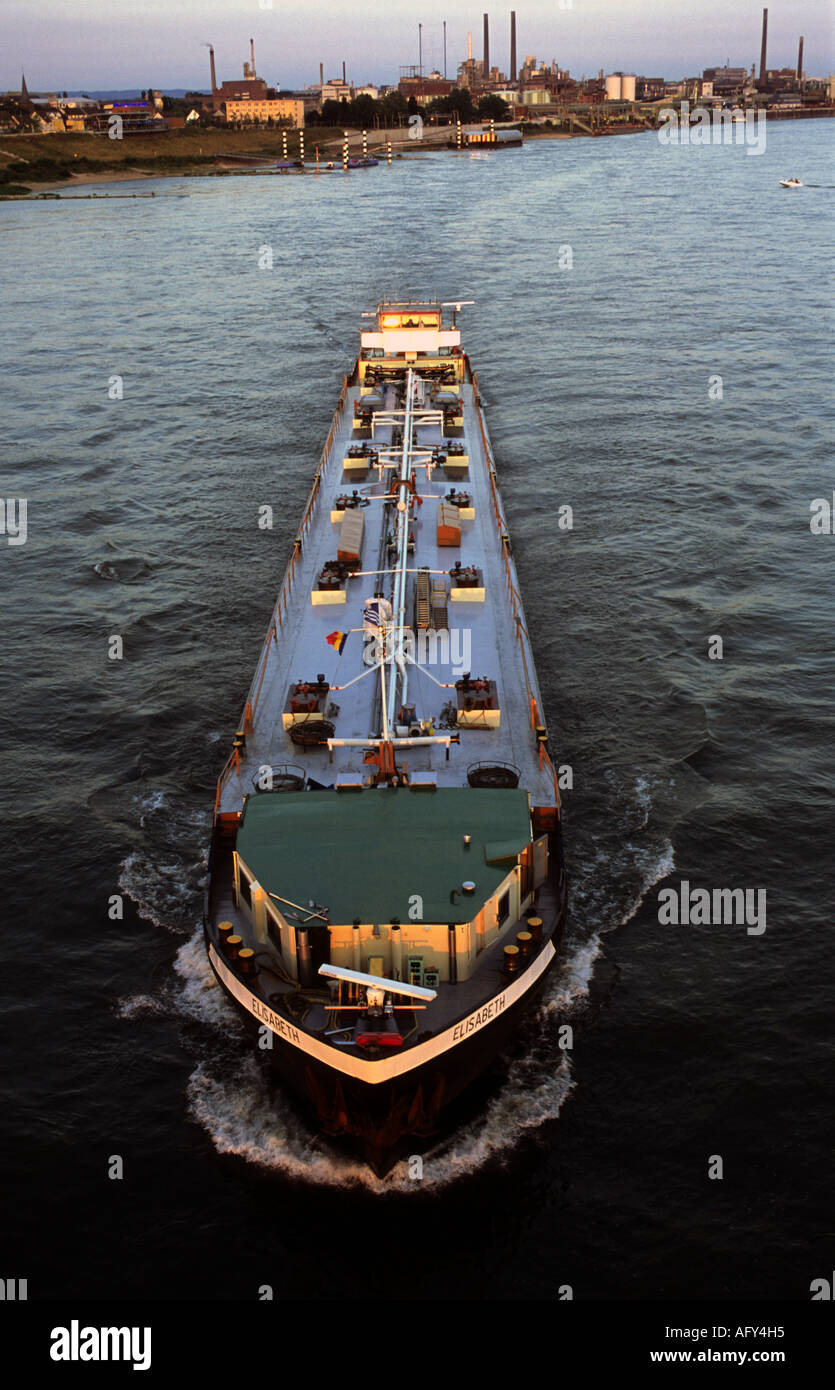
(691,519)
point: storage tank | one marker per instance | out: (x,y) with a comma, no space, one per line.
(613,87)
(627,87)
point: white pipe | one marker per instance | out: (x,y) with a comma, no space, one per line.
(404,678)
(383,694)
(402,540)
(396,742)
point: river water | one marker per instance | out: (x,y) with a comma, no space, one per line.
(651,330)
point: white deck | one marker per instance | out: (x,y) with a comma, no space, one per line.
(301,650)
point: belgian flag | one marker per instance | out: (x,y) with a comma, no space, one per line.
(338,640)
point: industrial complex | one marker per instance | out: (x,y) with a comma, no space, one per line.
(531,90)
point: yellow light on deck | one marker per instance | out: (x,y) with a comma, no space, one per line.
(391,321)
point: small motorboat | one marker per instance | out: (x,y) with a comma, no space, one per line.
(790,183)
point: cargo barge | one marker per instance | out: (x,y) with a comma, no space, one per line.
(387,890)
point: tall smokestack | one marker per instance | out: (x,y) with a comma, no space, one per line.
(762,50)
(212,67)
(321,74)
(252,55)
(486,66)
(344,78)
(800,60)
(470,46)
(513,45)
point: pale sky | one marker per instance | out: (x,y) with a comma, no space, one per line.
(89,44)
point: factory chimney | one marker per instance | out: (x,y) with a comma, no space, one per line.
(762,50)
(800,60)
(513,45)
(252,56)
(214,78)
(470,47)
(344,78)
(321,74)
(485,71)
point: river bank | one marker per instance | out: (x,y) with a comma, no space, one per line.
(30,164)
(35,165)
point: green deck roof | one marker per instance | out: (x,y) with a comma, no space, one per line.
(365,854)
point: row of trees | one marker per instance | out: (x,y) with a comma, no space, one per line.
(366,113)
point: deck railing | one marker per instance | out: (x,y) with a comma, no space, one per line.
(516,605)
(232,764)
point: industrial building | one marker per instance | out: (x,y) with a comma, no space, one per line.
(285,109)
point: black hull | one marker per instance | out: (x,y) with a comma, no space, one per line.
(378,1120)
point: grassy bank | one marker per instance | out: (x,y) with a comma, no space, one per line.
(27,161)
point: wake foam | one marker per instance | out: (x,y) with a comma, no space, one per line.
(246,1114)
(247,1118)
(160,875)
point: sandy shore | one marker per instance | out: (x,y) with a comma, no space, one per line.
(107,176)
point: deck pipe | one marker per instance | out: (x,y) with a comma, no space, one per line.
(357,946)
(396,952)
(303,956)
(453,956)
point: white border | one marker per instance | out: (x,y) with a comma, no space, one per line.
(388,1067)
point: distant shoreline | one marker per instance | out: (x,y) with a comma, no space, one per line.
(47,159)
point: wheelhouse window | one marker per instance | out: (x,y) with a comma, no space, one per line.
(415,319)
(503,910)
(245,890)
